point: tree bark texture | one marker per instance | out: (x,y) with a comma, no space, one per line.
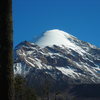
(6,51)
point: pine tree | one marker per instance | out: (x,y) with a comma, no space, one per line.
(6,51)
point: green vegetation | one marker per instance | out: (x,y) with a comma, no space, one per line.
(46,92)
(22,91)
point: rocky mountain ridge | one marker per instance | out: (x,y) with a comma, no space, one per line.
(58,57)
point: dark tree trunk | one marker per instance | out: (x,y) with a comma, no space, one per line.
(6,51)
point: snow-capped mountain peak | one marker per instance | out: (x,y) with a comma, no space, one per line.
(60,56)
(54,37)
(59,38)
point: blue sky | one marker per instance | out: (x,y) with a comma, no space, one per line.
(80,18)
